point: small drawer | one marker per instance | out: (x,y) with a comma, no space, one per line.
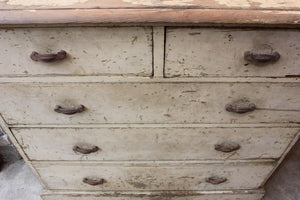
(199,52)
(93,103)
(153,176)
(153,143)
(89,51)
(167,195)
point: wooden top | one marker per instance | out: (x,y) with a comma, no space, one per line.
(277,12)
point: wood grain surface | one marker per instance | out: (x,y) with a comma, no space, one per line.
(158,11)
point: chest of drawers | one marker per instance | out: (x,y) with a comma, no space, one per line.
(150,100)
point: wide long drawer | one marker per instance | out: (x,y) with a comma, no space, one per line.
(194,52)
(170,195)
(149,103)
(153,176)
(90,51)
(153,143)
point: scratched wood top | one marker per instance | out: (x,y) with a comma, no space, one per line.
(151,11)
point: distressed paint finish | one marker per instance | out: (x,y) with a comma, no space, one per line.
(158,176)
(254,12)
(153,143)
(148,102)
(217,4)
(220,52)
(165,155)
(151,196)
(54,3)
(90,51)
(157,17)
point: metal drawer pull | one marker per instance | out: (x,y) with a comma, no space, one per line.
(85,150)
(227,147)
(215,180)
(93,182)
(261,58)
(67,111)
(48,57)
(240,106)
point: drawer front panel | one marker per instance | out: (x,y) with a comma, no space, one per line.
(194,52)
(154,143)
(150,196)
(148,103)
(142,176)
(90,51)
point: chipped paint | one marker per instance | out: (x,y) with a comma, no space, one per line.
(230,3)
(257,3)
(272,3)
(43,2)
(160,2)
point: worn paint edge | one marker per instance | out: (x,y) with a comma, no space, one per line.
(282,158)
(116,125)
(158,51)
(108,79)
(196,16)
(99,193)
(156,163)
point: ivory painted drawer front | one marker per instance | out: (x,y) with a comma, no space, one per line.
(148,103)
(151,196)
(194,52)
(90,51)
(153,176)
(153,143)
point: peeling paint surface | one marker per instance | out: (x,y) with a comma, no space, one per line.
(256,3)
(43,2)
(159,2)
(230,3)
(226,3)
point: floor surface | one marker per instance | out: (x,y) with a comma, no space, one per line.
(17,182)
(285,182)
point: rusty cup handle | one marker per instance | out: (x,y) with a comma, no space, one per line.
(84,150)
(215,180)
(240,109)
(261,58)
(67,111)
(227,147)
(93,182)
(48,57)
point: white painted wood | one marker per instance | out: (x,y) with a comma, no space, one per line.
(151,4)
(148,103)
(117,197)
(158,51)
(91,51)
(150,193)
(159,163)
(194,52)
(186,195)
(153,143)
(156,176)
(118,79)
(260,125)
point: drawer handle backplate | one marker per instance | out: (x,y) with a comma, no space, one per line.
(93,182)
(67,111)
(85,150)
(227,147)
(215,180)
(261,58)
(48,57)
(240,106)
